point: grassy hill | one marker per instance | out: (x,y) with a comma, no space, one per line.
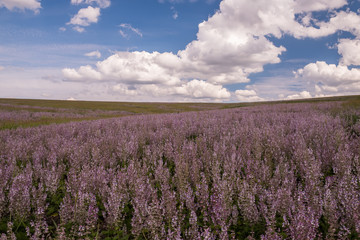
(16,113)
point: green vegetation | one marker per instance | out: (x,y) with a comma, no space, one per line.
(60,111)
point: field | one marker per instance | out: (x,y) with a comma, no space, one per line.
(29,113)
(92,170)
(16,113)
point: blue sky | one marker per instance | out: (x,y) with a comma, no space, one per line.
(179,50)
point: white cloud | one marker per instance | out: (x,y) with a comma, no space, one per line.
(83,73)
(194,89)
(100,3)
(330,78)
(222,54)
(79,29)
(129,27)
(247,96)
(318,5)
(278,17)
(22,5)
(175,13)
(86,16)
(337,79)
(96,54)
(345,21)
(350,51)
(62,29)
(71,99)
(303,94)
(330,74)
(245,93)
(129,67)
(1,68)
(89,15)
(123,34)
(124,90)
(230,45)
(202,89)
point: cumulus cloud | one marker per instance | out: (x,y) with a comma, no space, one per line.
(83,73)
(222,54)
(350,51)
(194,89)
(202,89)
(89,15)
(124,90)
(331,78)
(33,5)
(247,96)
(278,17)
(318,5)
(230,45)
(100,3)
(96,54)
(344,21)
(330,74)
(86,16)
(130,67)
(340,78)
(303,94)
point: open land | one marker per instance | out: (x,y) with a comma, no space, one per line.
(101,170)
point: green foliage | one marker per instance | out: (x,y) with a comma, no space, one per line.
(128,213)
(279,225)
(329,171)
(170,164)
(192,137)
(323,226)
(354,235)
(19,228)
(114,234)
(3,226)
(186,223)
(244,228)
(52,211)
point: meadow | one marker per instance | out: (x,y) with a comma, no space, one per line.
(16,113)
(280,170)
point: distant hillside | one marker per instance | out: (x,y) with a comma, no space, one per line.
(16,113)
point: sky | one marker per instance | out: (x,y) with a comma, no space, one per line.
(179,50)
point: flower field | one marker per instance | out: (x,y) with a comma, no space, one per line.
(16,113)
(283,171)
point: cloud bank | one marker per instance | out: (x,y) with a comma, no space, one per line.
(343,78)
(230,46)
